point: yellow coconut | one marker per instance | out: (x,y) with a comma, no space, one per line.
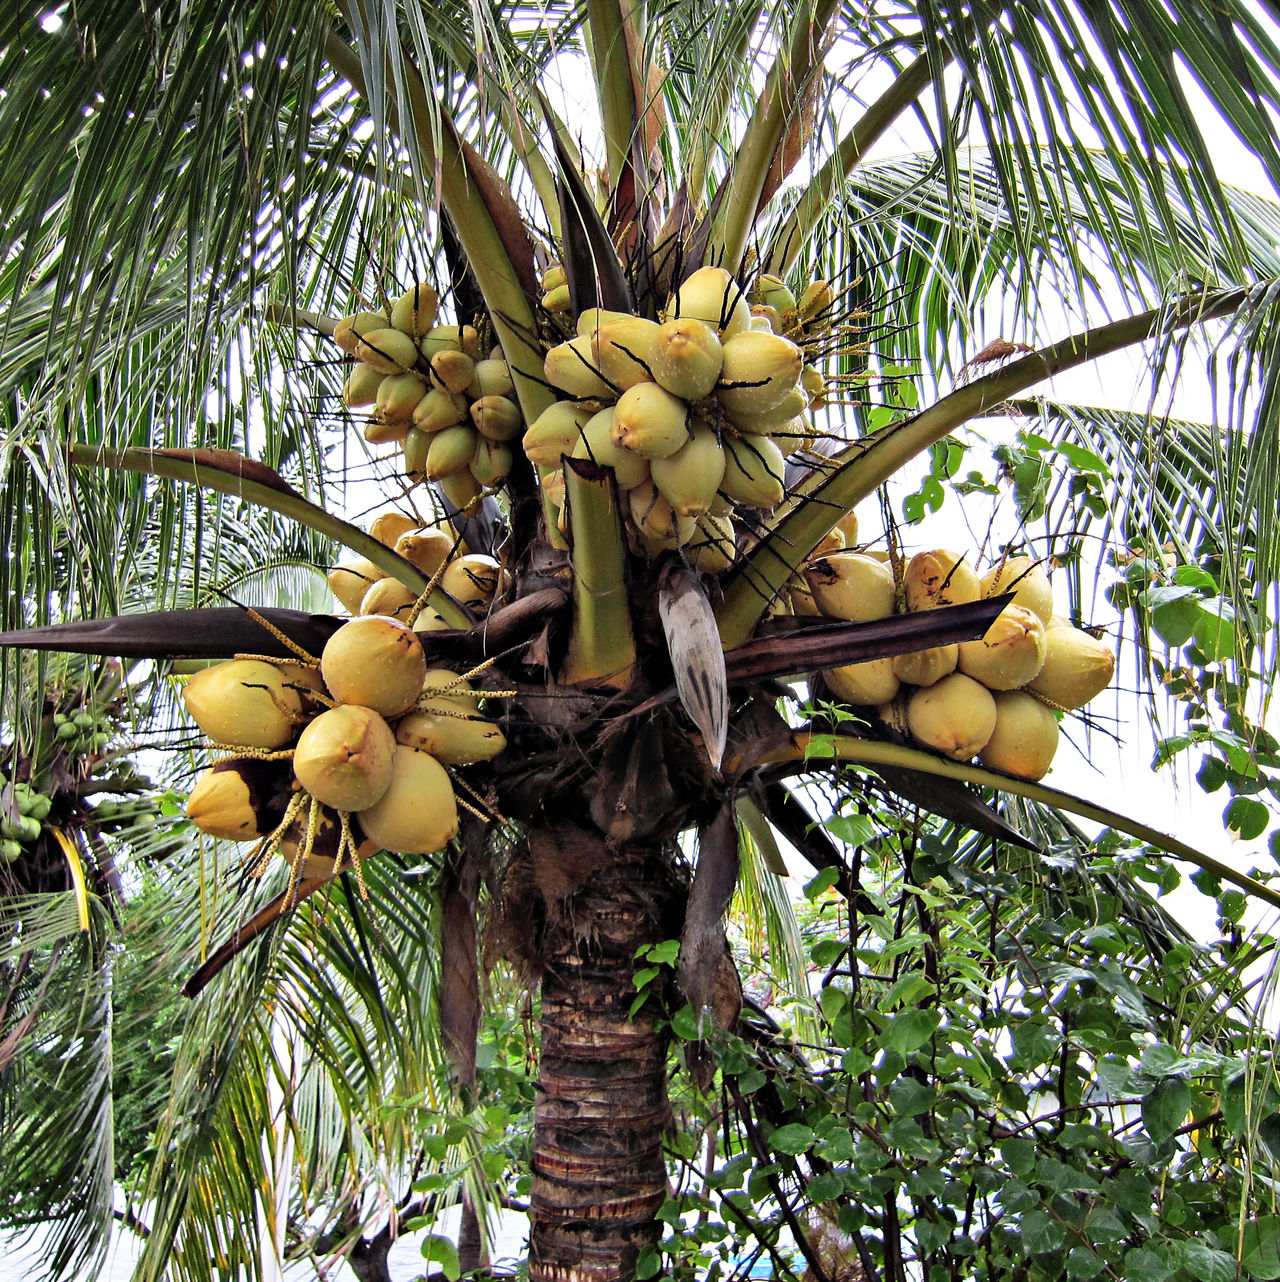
(571,368)
(450,451)
(712,295)
(240,800)
(760,372)
(322,857)
(1011,652)
(492,378)
(454,371)
(497,417)
(439,409)
(491,462)
(428,549)
(390,597)
(349,330)
(389,350)
(1028,582)
(244,702)
(462,490)
(1024,739)
(687,357)
(344,757)
(441,686)
(417,814)
(350,580)
(391,526)
(754,471)
(937,578)
(690,478)
(450,735)
(623,350)
(597,443)
(863,684)
(1077,667)
(713,544)
(924,667)
(791,407)
(649,421)
(472,580)
(554,432)
(773,291)
(414,312)
(415,448)
(379,430)
(848,585)
(955,716)
(816,301)
(361,387)
(375,661)
(653,515)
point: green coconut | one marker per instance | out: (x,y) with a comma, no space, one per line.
(712,295)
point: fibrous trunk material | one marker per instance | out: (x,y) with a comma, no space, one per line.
(598,1172)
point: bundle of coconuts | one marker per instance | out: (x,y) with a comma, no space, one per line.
(995,698)
(695,412)
(471,578)
(453,413)
(332,761)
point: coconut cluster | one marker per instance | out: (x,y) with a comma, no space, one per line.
(994,698)
(335,761)
(453,412)
(471,578)
(695,412)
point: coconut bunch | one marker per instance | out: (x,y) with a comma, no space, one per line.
(471,578)
(453,412)
(332,761)
(996,698)
(695,411)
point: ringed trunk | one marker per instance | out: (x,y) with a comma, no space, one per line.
(599,1177)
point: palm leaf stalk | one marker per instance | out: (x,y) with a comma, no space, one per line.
(368,119)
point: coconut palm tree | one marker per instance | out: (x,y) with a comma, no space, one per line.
(193,201)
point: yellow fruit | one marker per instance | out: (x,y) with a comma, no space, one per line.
(1024,739)
(924,667)
(450,451)
(1028,582)
(391,526)
(571,368)
(848,585)
(1076,667)
(390,597)
(653,516)
(711,295)
(472,580)
(937,578)
(591,320)
(344,757)
(350,580)
(793,406)
(558,300)
(597,443)
(497,417)
(374,661)
(348,331)
(439,409)
(492,462)
(760,372)
(361,387)
(388,350)
(650,421)
(417,814)
(492,378)
(240,800)
(713,544)
(773,291)
(1010,654)
(687,357)
(754,471)
(243,702)
(381,431)
(463,338)
(690,477)
(398,396)
(555,432)
(816,301)
(553,277)
(456,740)
(863,684)
(955,716)
(462,490)
(427,549)
(622,350)
(453,371)
(414,312)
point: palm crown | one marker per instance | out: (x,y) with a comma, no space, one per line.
(226,230)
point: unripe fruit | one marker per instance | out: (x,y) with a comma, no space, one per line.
(864,684)
(453,371)
(924,667)
(462,490)
(848,585)
(417,814)
(361,387)
(955,715)
(450,451)
(439,409)
(383,431)
(491,378)
(1076,667)
(593,317)
(1024,739)
(713,544)
(793,405)
(239,800)
(816,300)
(398,396)
(760,371)
(454,740)
(414,313)
(687,358)
(571,368)
(553,277)
(690,478)
(491,462)
(1028,582)
(622,350)
(497,417)
(1010,654)
(348,331)
(555,432)
(937,578)
(754,471)
(652,515)
(597,443)
(773,291)
(243,702)
(650,421)
(414,448)
(376,662)
(350,580)
(389,350)
(711,295)
(343,758)
(558,300)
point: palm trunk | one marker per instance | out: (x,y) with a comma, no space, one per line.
(598,1172)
